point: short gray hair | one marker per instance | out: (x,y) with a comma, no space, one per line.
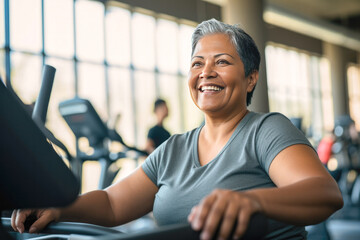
(244,44)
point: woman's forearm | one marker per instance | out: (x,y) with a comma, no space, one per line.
(303,203)
(92,207)
(124,201)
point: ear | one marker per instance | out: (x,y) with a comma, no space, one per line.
(252,80)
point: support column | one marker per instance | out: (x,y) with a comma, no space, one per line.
(338,62)
(249,15)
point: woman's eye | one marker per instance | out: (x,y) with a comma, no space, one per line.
(222,61)
(196,64)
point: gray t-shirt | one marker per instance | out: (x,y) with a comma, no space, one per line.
(242,164)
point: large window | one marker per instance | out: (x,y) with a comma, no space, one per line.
(118,36)
(90,30)
(354,93)
(144,96)
(299,87)
(59,28)
(120,58)
(121,104)
(143,52)
(26,75)
(25,25)
(167,46)
(2,25)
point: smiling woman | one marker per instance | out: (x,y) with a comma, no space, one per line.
(218,175)
(217,77)
(238,162)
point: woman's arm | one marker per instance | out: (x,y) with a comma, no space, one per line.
(132,198)
(122,202)
(305,194)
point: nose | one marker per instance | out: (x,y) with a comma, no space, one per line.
(208,71)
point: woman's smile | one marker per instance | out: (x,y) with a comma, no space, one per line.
(206,89)
(210,88)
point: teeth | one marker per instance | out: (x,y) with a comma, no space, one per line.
(210,88)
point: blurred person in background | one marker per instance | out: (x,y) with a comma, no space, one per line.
(158,134)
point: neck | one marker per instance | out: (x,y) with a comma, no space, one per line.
(216,129)
(159,121)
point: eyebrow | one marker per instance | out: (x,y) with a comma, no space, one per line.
(217,55)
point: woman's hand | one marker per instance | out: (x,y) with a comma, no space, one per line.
(42,218)
(223,210)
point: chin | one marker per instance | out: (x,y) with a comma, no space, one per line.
(209,108)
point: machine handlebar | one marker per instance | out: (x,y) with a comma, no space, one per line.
(257,229)
(42,102)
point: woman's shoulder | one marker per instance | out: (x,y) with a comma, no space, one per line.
(261,115)
(274,124)
(273,118)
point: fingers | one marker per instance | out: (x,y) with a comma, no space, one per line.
(215,215)
(223,210)
(201,211)
(18,218)
(13,216)
(192,214)
(228,221)
(242,223)
(43,219)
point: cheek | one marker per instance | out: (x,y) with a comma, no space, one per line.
(234,78)
(192,86)
(191,80)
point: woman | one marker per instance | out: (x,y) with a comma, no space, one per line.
(236,164)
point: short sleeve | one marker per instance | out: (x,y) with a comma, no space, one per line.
(151,165)
(275,133)
(151,133)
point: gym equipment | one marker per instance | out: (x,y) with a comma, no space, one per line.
(84,121)
(42,102)
(344,166)
(82,231)
(346,153)
(32,175)
(27,158)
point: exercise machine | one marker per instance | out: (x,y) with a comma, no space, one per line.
(32,175)
(85,122)
(343,163)
(83,231)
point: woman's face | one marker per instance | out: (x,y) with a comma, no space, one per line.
(217,80)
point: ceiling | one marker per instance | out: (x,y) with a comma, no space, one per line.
(345,13)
